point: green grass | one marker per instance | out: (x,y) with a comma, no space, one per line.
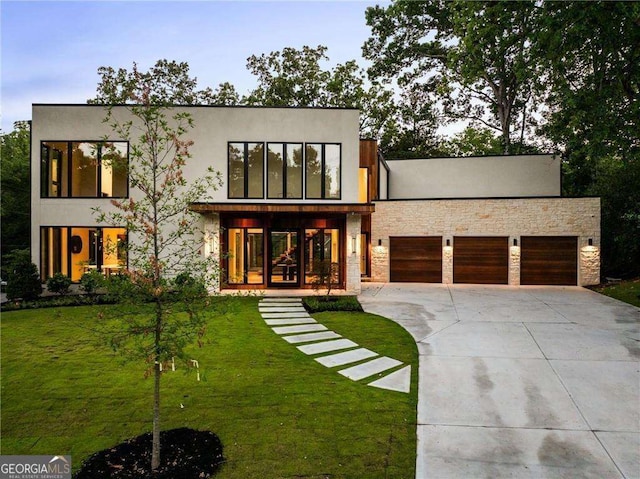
(627,291)
(278,412)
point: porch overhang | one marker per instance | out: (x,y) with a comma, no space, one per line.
(356,208)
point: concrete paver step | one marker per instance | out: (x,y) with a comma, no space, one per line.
(327,346)
(281,300)
(282,309)
(399,380)
(346,357)
(285,315)
(308,328)
(306,338)
(370,368)
(282,322)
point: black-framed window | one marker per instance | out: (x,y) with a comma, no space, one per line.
(245,255)
(322,250)
(75,250)
(323,170)
(84,169)
(284,170)
(246,170)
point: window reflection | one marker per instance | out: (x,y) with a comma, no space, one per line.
(284,167)
(246,170)
(322,170)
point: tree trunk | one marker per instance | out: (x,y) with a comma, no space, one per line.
(155,446)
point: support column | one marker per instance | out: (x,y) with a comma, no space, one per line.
(352,269)
(514,261)
(212,251)
(447,260)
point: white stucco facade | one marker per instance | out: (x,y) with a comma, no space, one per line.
(506,196)
(475,177)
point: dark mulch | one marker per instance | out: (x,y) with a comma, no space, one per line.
(184,454)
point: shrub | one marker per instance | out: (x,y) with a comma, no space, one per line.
(59,283)
(91,281)
(188,287)
(23,281)
(119,287)
(315,304)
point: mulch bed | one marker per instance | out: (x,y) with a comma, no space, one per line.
(184,454)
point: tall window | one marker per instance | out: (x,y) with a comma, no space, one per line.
(74,251)
(284,170)
(322,246)
(246,252)
(89,169)
(323,170)
(246,170)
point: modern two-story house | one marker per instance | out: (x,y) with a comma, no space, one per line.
(299,187)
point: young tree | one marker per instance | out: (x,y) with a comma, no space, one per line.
(165,237)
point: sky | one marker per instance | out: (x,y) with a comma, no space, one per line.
(51,50)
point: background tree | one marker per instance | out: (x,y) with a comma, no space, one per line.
(225,94)
(472,58)
(591,54)
(164,235)
(294,77)
(413,133)
(166,83)
(15,191)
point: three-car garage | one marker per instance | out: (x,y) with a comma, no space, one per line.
(543,260)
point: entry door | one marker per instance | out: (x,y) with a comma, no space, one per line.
(284,263)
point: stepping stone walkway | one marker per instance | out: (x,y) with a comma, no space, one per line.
(288,318)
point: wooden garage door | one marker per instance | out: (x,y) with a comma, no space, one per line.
(549,260)
(416,259)
(481,260)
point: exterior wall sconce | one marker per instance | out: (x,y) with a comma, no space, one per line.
(379,242)
(515,242)
(590,241)
(353,244)
(448,242)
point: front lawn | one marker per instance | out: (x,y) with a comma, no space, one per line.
(278,412)
(627,291)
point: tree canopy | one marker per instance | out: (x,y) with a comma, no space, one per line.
(15,189)
(166,83)
(471,58)
(294,77)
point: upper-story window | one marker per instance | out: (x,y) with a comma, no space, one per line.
(284,170)
(84,169)
(322,169)
(246,170)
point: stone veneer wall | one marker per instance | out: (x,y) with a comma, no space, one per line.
(212,244)
(353,284)
(489,217)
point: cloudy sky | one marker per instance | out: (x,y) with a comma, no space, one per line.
(51,50)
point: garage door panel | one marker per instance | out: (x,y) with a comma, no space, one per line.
(416,259)
(551,260)
(481,260)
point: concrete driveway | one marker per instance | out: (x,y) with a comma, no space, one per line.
(520,382)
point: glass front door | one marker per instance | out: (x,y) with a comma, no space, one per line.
(284,264)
